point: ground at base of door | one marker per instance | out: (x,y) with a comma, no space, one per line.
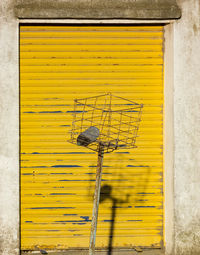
(85,252)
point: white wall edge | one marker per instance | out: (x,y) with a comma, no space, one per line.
(92,21)
(9,147)
(168,141)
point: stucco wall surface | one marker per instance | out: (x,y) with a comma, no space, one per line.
(9,135)
(187,128)
(97,9)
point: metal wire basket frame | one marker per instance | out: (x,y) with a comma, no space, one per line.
(116,118)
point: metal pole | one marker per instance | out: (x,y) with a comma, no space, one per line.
(96,200)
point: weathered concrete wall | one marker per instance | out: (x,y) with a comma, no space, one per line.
(9,136)
(187,128)
(97,9)
(186,125)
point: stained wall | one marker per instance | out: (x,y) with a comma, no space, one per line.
(186,122)
(186,128)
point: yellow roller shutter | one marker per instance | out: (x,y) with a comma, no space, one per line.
(57,65)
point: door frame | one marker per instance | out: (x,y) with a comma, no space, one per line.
(168,135)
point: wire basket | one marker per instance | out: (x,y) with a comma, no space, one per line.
(113,122)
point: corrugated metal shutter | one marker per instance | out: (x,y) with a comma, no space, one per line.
(57,65)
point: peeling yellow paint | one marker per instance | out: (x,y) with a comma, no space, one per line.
(58,64)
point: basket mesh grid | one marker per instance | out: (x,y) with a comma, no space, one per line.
(116,118)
